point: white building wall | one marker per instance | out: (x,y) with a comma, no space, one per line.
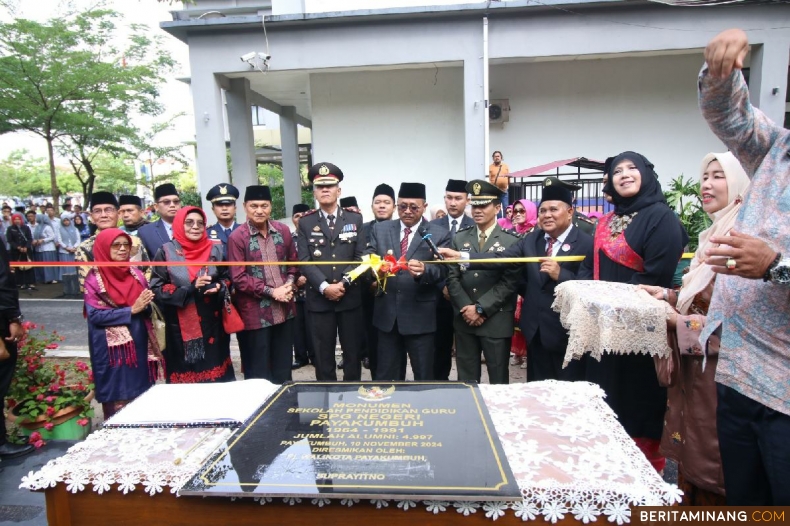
(390,126)
(598,108)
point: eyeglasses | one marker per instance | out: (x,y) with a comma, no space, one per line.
(119,246)
(403,207)
(168,202)
(189,223)
(103,211)
(519,212)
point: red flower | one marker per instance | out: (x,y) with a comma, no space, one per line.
(11,402)
(50,411)
(83,422)
(81,366)
(38,444)
(52,346)
(49,426)
(34,436)
(50,399)
(169,288)
(211,340)
(40,397)
(80,387)
(32,388)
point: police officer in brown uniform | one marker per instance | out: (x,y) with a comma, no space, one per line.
(331,234)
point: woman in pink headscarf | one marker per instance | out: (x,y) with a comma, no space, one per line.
(525,216)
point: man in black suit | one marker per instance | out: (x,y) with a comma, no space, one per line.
(555,236)
(455,200)
(406,314)
(156,234)
(11,332)
(383,206)
(332,234)
(303,342)
(223,199)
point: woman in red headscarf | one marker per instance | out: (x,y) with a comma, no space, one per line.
(125,357)
(198,349)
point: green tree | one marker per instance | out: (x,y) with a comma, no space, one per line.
(68,81)
(149,149)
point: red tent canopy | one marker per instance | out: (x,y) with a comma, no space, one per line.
(578,162)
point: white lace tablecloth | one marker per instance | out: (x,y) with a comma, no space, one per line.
(565,447)
(617,318)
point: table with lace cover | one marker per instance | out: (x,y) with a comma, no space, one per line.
(617,318)
(572,459)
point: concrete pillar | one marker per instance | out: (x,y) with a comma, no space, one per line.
(242,143)
(209,135)
(474,110)
(768,73)
(292,182)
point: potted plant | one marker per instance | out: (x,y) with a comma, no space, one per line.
(48,400)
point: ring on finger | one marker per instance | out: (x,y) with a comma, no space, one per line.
(731,264)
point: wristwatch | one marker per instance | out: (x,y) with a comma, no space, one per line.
(479,309)
(779,271)
(17,319)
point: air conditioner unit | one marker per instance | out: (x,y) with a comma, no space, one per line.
(498,111)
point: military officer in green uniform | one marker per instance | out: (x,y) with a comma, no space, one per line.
(484,300)
(580,221)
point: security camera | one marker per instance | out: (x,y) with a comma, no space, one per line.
(248,56)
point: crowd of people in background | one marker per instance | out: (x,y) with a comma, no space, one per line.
(719,405)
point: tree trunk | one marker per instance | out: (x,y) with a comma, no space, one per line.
(53,179)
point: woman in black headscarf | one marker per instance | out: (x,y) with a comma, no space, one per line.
(640,242)
(20,239)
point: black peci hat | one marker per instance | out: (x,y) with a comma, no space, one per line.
(457,186)
(349,201)
(557,193)
(164,190)
(257,192)
(384,189)
(130,200)
(299,208)
(412,191)
(103,198)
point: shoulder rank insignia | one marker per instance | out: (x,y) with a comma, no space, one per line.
(310,212)
(464,228)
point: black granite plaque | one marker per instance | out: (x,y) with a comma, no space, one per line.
(364,440)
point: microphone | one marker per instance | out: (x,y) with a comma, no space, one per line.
(426,236)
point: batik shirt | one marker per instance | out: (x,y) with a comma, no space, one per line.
(753,315)
(255,284)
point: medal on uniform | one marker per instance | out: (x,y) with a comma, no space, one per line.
(321,241)
(390,252)
(566,247)
(317,253)
(316,228)
(466,245)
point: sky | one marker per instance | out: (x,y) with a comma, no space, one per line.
(174,94)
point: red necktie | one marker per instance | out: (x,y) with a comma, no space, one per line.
(550,247)
(404,243)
